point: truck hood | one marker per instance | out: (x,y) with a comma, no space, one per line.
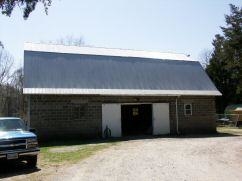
(16,134)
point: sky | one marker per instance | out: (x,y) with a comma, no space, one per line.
(186,26)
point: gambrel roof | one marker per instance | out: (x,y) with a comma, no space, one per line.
(58,69)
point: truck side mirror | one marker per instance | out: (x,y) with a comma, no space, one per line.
(32,130)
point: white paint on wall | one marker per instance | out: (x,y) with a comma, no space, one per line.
(161,120)
(111,117)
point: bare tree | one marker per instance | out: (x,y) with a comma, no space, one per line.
(205,57)
(6,63)
(17,93)
(17,79)
(69,41)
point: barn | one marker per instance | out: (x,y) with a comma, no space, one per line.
(83,91)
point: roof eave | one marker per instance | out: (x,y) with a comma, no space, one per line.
(119,92)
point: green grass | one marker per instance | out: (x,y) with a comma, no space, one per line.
(230,130)
(63,152)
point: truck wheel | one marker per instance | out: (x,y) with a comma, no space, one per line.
(32,161)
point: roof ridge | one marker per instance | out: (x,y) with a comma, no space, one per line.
(89,50)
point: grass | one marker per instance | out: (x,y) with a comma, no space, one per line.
(58,153)
(230,130)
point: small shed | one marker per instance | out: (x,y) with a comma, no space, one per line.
(235,111)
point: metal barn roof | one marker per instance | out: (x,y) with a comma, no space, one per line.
(58,69)
(103,51)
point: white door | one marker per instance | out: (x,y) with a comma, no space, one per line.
(111,117)
(161,118)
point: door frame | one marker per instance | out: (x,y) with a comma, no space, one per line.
(120,120)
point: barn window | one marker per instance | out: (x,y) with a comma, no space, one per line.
(78,111)
(188,109)
(135,111)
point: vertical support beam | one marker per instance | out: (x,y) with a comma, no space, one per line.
(177,118)
(28,111)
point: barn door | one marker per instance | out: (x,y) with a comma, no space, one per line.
(161,121)
(111,117)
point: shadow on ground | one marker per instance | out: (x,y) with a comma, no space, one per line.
(11,169)
(81,141)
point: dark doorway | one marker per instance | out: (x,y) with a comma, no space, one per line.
(136,119)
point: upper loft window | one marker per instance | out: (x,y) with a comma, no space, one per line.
(135,111)
(188,109)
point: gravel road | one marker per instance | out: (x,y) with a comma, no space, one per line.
(217,158)
(195,159)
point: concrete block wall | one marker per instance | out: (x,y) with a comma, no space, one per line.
(72,115)
(203,118)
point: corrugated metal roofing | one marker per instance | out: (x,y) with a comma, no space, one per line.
(66,73)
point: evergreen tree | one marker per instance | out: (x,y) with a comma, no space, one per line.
(225,65)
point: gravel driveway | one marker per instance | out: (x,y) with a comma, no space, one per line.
(211,158)
(216,158)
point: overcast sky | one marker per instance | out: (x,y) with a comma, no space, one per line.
(186,26)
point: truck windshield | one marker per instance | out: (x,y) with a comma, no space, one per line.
(11,124)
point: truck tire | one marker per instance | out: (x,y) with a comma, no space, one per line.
(32,161)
